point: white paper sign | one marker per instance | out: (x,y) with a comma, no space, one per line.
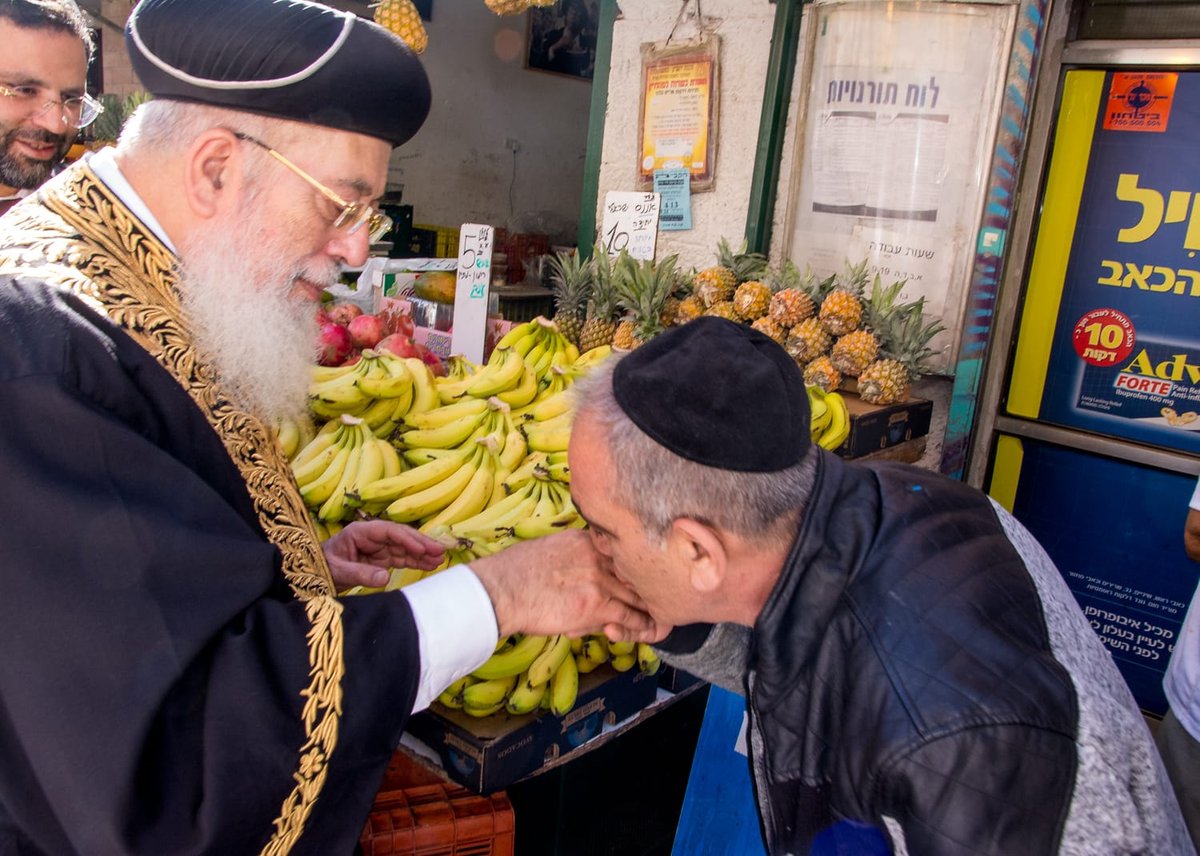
(630,223)
(475,242)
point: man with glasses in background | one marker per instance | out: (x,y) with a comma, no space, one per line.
(178,675)
(43,74)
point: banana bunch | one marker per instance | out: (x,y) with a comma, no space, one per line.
(292,435)
(596,649)
(538,506)
(830,424)
(340,459)
(379,387)
(524,674)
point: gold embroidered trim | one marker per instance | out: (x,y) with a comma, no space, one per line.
(120,268)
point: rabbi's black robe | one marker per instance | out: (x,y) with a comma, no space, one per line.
(176,675)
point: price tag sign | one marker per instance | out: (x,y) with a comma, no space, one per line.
(675,188)
(474,277)
(630,223)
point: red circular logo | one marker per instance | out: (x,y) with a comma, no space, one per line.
(1104,337)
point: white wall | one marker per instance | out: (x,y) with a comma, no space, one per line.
(457,168)
(744,27)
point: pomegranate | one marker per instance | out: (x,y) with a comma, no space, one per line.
(344,313)
(398,344)
(432,360)
(333,344)
(366,331)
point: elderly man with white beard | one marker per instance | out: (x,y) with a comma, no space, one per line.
(178,674)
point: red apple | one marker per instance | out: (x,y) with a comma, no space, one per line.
(398,344)
(366,331)
(344,313)
(333,344)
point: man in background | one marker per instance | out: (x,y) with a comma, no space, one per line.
(44,57)
(1178,735)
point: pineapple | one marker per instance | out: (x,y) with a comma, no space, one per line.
(724,309)
(820,372)
(841,310)
(790,306)
(752,300)
(571,278)
(600,326)
(854,352)
(403,19)
(770,327)
(689,309)
(644,288)
(904,349)
(507,7)
(807,341)
(716,284)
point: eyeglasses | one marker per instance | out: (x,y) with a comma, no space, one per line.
(78,111)
(352,216)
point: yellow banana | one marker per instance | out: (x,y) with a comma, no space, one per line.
(648,660)
(422,504)
(549,407)
(583,665)
(621,648)
(514,450)
(551,436)
(524,473)
(590,358)
(315,466)
(624,662)
(543,667)
(400,577)
(499,515)
(325,436)
(564,687)
(392,465)
(559,472)
(595,649)
(323,374)
(414,480)
(453,433)
(380,412)
(317,491)
(487,697)
(513,660)
(839,426)
(425,395)
(537,527)
(517,333)
(525,698)
(459,367)
(446,413)
(503,373)
(452,696)
(334,507)
(287,435)
(385,379)
(417,457)
(524,391)
(473,497)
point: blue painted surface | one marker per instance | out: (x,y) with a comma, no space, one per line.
(719,817)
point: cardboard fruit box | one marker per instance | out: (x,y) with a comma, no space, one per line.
(489,754)
(874,427)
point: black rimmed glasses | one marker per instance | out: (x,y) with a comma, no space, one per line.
(351,217)
(78,111)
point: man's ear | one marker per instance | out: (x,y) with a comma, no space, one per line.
(698,548)
(212,173)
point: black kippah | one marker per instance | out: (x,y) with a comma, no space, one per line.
(290,59)
(719,394)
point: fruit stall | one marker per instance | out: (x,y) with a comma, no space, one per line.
(475,455)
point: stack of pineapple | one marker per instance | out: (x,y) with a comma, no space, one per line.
(845,326)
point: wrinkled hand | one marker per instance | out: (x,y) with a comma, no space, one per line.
(361,553)
(558,584)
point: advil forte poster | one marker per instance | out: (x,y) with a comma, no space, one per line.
(1125,354)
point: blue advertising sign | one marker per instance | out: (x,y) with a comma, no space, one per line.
(675,211)
(1125,356)
(1119,550)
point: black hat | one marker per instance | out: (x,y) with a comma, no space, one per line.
(717,393)
(285,58)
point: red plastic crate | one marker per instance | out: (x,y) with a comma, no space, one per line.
(418,812)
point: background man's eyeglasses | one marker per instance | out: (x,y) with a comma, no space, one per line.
(76,112)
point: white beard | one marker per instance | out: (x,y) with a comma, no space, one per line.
(235,284)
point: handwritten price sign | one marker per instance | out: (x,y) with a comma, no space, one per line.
(474,276)
(630,223)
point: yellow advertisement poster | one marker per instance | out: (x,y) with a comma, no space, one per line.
(678,115)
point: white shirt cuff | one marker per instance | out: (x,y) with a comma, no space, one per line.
(456,628)
(1195,503)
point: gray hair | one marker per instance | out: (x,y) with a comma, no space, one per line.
(659,486)
(166,126)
